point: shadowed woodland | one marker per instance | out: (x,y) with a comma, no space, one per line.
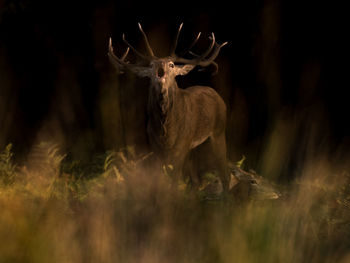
(73,140)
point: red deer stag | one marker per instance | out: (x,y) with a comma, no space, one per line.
(180,119)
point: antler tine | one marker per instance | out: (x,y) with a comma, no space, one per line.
(150,51)
(213,56)
(176,39)
(191,46)
(206,53)
(125,54)
(195,41)
(216,51)
(117,62)
(200,60)
(210,60)
(133,49)
(113,57)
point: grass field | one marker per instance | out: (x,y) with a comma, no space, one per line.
(53,209)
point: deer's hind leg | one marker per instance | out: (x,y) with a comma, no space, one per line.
(218,146)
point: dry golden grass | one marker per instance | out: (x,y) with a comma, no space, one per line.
(51,213)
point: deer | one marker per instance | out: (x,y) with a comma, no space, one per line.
(179,120)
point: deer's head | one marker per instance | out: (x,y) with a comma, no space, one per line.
(162,71)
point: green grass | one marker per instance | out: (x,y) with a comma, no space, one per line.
(56,209)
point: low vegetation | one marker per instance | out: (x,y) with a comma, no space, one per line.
(56,209)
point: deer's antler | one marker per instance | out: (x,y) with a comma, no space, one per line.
(150,51)
(117,62)
(121,63)
(198,60)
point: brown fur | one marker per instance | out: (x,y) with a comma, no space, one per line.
(180,120)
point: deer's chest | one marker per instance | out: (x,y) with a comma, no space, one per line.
(166,134)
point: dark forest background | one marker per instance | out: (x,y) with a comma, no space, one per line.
(280,75)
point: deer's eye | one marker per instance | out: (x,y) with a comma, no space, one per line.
(171,64)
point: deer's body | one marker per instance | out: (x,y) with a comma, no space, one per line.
(169,128)
(179,120)
(173,134)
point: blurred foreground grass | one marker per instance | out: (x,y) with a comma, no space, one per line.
(55,209)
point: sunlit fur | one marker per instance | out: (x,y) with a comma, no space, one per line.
(181,119)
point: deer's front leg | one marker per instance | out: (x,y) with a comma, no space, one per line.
(174,164)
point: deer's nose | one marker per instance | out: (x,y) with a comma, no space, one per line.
(160,72)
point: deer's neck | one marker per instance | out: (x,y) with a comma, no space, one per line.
(162,105)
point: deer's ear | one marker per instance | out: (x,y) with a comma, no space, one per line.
(184,69)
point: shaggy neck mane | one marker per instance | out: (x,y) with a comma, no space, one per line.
(160,108)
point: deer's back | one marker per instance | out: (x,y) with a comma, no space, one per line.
(208,112)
